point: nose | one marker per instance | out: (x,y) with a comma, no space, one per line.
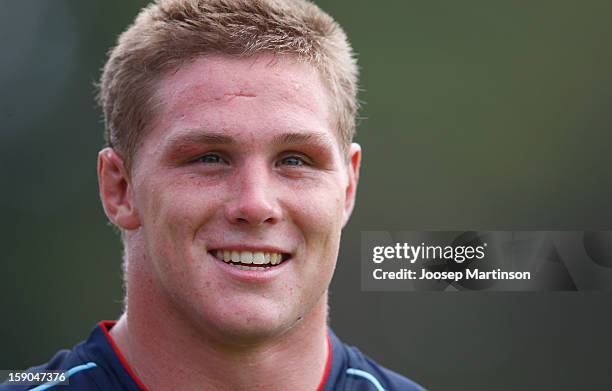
(254,200)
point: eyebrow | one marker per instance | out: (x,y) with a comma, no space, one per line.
(193,137)
(293,138)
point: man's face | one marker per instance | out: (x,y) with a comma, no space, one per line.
(243,166)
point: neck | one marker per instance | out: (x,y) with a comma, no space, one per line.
(166,352)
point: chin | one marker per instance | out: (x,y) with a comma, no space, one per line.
(244,326)
(242,333)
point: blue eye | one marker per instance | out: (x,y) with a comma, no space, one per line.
(292,161)
(210,158)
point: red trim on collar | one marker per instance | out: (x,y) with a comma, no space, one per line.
(327,364)
(106,325)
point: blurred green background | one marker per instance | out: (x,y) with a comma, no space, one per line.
(486,115)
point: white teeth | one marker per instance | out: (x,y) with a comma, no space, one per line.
(259,258)
(246,257)
(242,267)
(249,257)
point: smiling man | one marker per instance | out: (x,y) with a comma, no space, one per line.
(230,171)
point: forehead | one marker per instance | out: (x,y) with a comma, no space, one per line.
(255,93)
(214,76)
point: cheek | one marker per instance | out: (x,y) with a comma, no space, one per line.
(318,214)
(322,241)
(321,209)
(172,211)
(179,200)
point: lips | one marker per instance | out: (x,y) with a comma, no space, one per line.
(250,259)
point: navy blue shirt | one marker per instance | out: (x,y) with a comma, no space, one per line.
(98,365)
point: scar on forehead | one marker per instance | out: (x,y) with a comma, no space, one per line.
(204,93)
(239,94)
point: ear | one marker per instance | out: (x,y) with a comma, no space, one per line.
(354,161)
(116,190)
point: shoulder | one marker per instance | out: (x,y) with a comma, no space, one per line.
(78,373)
(357,372)
(373,376)
(92,365)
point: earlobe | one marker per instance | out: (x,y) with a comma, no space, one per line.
(354,162)
(115,190)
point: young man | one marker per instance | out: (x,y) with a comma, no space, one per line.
(230,172)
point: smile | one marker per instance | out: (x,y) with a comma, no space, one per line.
(250,260)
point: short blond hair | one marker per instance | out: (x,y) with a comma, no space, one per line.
(168,33)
